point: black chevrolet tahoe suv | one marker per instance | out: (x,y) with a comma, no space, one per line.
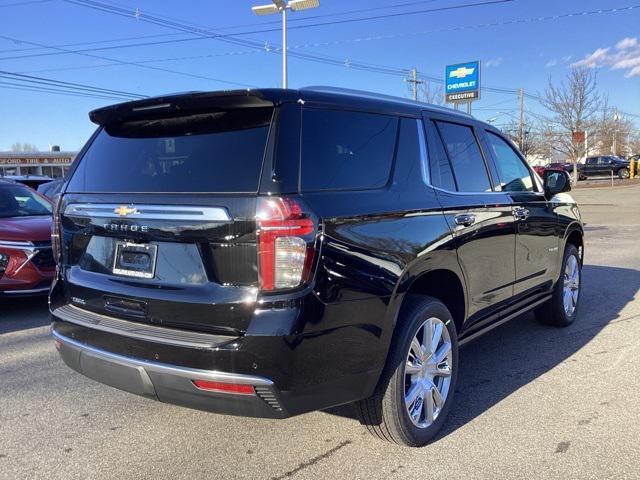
(272,252)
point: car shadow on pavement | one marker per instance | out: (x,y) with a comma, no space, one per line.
(505,359)
(23,313)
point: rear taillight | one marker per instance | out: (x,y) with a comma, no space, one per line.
(55,230)
(286,238)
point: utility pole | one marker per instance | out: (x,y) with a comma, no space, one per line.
(413,80)
(521,122)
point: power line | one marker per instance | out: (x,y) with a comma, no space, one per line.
(314,44)
(30,79)
(123,62)
(33,88)
(27,2)
(231,38)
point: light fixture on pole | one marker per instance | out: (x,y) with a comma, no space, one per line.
(280,6)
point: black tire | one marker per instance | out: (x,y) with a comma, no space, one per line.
(384,413)
(553,312)
(623,173)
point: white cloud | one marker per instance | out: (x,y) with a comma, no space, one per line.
(627,43)
(493,62)
(551,63)
(592,60)
(626,56)
(634,72)
(567,59)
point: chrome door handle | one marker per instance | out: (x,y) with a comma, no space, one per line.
(465,219)
(520,213)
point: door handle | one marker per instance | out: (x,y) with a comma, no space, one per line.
(520,213)
(465,219)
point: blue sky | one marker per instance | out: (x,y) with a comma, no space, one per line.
(515,55)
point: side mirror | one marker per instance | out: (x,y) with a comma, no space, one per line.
(556,181)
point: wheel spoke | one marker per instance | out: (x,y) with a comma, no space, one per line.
(413,394)
(437,397)
(436,336)
(428,404)
(442,352)
(412,369)
(418,352)
(427,335)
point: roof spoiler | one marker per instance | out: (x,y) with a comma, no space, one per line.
(180,104)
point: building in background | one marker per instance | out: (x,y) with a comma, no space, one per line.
(54,163)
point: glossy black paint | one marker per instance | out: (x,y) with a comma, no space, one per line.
(326,343)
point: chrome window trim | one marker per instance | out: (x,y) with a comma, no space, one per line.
(424,154)
(149,212)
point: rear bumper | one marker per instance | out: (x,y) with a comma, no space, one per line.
(170,383)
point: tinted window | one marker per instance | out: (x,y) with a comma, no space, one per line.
(19,201)
(346,150)
(409,148)
(441,174)
(514,175)
(213,152)
(465,156)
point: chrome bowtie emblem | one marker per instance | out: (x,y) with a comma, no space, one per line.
(123,211)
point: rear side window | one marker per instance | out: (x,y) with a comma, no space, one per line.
(344,150)
(441,174)
(209,152)
(514,176)
(465,156)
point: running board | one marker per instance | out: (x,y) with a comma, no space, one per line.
(504,320)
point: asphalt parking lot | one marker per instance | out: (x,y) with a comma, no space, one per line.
(532,401)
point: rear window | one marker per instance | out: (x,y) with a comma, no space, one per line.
(209,152)
(344,150)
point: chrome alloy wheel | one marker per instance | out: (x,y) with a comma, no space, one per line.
(571,285)
(427,372)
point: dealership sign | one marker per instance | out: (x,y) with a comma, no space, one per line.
(26,161)
(462,82)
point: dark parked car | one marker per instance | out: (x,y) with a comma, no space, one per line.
(272,252)
(594,166)
(26,260)
(540,169)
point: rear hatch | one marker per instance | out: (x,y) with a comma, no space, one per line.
(158,220)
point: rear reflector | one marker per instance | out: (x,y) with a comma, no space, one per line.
(238,389)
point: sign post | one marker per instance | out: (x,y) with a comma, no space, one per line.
(462,83)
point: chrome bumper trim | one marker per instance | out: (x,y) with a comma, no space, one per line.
(25,292)
(162,368)
(139,330)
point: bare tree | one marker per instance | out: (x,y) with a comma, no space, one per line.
(533,144)
(612,132)
(429,93)
(23,147)
(573,105)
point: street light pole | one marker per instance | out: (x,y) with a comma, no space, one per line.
(280,6)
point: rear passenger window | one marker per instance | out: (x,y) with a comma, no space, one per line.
(344,150)
(514,175)
(465,156)
(440,168)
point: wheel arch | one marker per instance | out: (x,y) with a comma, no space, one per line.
(443,284)
(575,236)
